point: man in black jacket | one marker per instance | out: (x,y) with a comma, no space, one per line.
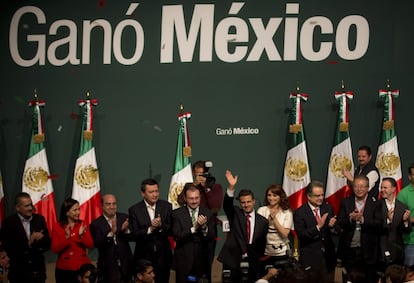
(110,233)
(25,238)
(247,236)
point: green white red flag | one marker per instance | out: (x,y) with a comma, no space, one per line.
(182,172)
(341,155)
(388,158)
(36,177)
(86,186)
(296,173)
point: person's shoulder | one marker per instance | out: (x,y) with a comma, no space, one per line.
(136,205)
(163,202)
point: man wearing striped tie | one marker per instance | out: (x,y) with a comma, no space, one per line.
(193,230)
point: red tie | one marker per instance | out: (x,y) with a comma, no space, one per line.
(318,219)
(248,223)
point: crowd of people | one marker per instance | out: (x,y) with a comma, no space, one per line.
(371,237)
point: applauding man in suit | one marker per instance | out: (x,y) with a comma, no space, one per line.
(150,223)
(313,223)
(396,216)
(193,230)
(25,238)
(110,234)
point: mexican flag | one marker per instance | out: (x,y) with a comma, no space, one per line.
(296,173)
(86,187)
(2,207)
(182,167)
(341,155)
(36,177)
(388,159)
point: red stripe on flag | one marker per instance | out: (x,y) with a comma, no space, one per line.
(336,198)
(46,207)
(91,209)
(298,198)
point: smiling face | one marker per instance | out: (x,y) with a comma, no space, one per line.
(272,198)
(363,157)
(192,198)
(315,197)
(247,203)
(74,212)
(387,190)
(360,187)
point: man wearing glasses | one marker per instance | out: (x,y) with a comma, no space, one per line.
(360,219)
(314,223)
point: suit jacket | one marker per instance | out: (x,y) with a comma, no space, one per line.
(115,256)
(155,246)
(25,262)
(370,229)
(191,253)
(391,239)
(73,251)
(236,243)
(315,245)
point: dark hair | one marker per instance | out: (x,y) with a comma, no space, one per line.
(19,197)
(66,206)
(311,185)
(142,266)
(146,182)
(410,167)
(189,187)
(278,190)
(244,193)
(88,267)
(391,180)
(365,148)
(396,273)
(199,164)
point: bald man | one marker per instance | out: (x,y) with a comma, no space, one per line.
(110,233)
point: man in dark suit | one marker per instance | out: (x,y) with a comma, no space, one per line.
(246,240)
(150,223)
(193,230)
(110,233)
(361,221)
(25,238)
(314,222)
(396,217)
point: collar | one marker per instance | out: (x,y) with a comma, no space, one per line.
(107,218)
(22,219)
(313,207)
(147,205)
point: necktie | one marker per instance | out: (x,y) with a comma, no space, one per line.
(318,219)
(248,226)
(193,218)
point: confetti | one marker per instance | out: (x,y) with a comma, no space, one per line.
(74,116)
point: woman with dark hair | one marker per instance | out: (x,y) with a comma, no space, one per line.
(70,240)
(280,217)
